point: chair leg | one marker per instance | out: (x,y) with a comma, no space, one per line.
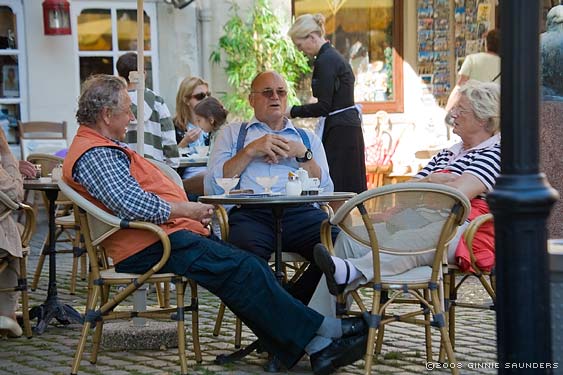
(159,295)
(166,294)
(219,319)
(451,313)
(90,305)
(22,283)
(181,327)
(78,254)
(369,350)
(379,342)
(427,329)
(195,322)
(97,337)
(450,297)
(238,333)
(83,265)
(74,272)
(445,337)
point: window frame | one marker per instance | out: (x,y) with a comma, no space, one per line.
(149,8)
(20,52)
(397,104)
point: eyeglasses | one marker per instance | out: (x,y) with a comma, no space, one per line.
(269,93)
(201,95)
(126,110)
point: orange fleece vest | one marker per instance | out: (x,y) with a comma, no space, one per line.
(127,242)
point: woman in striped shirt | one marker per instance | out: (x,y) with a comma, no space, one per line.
(471,166)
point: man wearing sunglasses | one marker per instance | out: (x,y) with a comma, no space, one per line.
(270,145)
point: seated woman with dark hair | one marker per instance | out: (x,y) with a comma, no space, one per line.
(471,166)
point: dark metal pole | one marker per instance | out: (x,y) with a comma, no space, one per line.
(522,199)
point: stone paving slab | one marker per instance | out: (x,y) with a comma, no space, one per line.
(403,349)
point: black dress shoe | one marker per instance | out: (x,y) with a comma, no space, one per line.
(354,326)
(323,260)
(341,352)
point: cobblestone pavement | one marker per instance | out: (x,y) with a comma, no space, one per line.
(403,349)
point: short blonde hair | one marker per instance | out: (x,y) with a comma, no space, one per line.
(184,113)
(307,24)
(484,98)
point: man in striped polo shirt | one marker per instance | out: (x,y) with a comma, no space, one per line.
(160,138)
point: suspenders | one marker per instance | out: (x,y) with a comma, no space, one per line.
(244,130)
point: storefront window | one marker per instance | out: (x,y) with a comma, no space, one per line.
(127,30)
(368,34)
(94,30)
(11,69)
(105,33)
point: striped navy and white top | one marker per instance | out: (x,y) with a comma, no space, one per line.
(482,161)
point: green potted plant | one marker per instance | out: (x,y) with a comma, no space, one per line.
(254,45)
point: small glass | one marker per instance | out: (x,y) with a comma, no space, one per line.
(227,183)
(267,182)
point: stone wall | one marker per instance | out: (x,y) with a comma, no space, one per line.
(551,158)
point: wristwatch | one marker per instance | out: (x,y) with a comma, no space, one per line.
(308,156)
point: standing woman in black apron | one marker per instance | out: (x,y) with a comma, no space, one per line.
(333,86)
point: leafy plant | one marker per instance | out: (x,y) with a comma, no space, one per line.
(252,46)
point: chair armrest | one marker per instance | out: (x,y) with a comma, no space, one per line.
(469,235)
(223,221)
(29,226)
(8,202)
(326,235)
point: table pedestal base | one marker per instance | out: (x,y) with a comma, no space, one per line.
(273,364)
(53,309)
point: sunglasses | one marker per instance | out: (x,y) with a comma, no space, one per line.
(269,93)
(201,95)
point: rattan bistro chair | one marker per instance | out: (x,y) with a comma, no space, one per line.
(68,228)
(454,279)
(98,225)
(42,136)
(404,220)
(8,207)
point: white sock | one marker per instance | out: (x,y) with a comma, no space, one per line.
(340,271)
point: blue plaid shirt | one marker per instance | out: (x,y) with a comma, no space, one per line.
(104,173)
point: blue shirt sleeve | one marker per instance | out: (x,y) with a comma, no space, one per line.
(104,173)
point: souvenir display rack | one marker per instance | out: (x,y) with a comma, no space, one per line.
(441,50)
(434,52)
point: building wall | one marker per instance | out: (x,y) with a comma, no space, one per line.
(178,48)
(52,88)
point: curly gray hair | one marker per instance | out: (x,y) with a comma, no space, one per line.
(484,98)
(98,92)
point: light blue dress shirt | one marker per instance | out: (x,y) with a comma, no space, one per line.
(225,148)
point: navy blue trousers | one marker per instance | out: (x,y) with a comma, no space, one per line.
(252,229)
(244,283)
